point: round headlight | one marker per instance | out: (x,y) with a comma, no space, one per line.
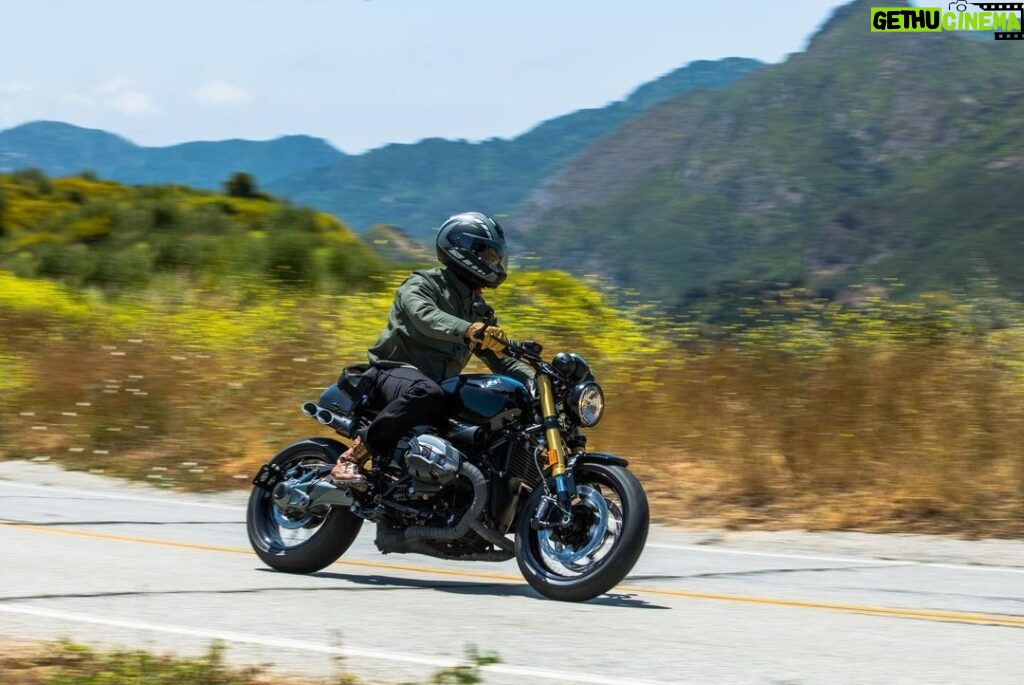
(588,400)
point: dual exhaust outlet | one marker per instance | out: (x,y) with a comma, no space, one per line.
(346,425)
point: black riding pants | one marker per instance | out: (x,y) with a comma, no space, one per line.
(409,399)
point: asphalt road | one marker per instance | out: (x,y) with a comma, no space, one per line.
(110,563)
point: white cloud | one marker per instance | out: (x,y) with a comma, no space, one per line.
(132,102)
(220,94)
(79,100)
(114,85)
(117,94)
(15,87)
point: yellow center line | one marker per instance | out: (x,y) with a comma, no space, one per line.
(239,550)
(1005,620)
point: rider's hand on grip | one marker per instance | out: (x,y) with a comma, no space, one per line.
(487,337)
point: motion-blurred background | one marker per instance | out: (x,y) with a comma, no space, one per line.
(799,276)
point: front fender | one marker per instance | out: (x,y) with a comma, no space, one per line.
(599,458)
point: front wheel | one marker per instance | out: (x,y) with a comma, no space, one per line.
(594,553)
(299,542)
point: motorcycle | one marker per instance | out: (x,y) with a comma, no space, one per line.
(510,459)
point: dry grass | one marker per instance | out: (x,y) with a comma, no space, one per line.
(63,662)
(919,438)
(869,430)
(66,663)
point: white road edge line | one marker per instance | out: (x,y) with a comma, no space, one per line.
(844,560)
(301,645)
(686,548)
(131,498)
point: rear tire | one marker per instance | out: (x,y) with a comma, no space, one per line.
(332,534)
(628,518)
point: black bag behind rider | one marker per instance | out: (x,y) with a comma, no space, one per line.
(438,318)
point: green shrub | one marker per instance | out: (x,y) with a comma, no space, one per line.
(34,180)
(70,262)
(290,259)
(165,215)
(3,207)
(129,268)
(243,185)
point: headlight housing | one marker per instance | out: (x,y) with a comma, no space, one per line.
(587,402)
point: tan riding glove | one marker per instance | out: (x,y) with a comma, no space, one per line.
(487,337)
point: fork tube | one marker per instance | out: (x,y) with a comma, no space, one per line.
(556,453)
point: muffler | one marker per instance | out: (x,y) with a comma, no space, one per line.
(343,423)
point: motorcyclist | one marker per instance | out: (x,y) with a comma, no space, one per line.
(437,319)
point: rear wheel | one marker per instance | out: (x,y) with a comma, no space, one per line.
(592,555)
(299,542)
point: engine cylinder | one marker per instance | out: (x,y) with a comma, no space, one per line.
(433,459)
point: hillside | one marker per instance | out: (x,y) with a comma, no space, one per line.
(412,186)
(395,245)
(88,232)
(867,157)
(417,186)
(61,149)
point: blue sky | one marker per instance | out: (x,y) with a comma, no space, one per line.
(360,73)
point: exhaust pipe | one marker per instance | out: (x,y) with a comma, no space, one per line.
(346,425)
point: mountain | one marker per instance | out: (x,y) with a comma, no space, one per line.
(61,149)
(395,245)
(867,157)
(413,186)
(416,186)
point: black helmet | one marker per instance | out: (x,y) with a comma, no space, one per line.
(473,246)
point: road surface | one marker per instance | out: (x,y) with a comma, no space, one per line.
(118,564)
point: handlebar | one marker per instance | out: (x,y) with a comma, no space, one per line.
(527,349)
(529,352)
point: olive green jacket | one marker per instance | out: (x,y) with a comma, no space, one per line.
(427,328)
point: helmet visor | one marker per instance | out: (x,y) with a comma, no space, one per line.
(489,252)
(490,257)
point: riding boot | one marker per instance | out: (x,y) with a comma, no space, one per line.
(347,473)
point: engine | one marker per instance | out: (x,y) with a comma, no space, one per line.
(432,462)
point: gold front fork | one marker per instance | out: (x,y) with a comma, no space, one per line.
(556,452)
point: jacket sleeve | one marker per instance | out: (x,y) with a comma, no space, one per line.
(418,300)
(506,366)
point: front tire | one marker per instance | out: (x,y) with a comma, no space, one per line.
(594,556)
(299,544)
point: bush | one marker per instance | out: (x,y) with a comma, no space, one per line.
(165,216)
(73,262)
(131,267)
(33,179)
(180,254)
(243,185)
(290,259)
